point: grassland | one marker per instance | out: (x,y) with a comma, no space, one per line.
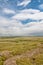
(21,51)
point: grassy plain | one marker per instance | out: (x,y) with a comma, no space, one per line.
(26,50)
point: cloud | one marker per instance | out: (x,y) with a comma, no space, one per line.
(24,3)
(41,6)
(29,14)
(13,26)
(31,11)
(3,21)
(16,28)
(9,27)
(8,11)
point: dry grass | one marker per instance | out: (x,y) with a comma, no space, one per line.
(10,47)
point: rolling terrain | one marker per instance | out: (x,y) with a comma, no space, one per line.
(21,51)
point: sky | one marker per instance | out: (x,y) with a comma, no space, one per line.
(21,17)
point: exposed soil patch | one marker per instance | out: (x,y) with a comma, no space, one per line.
(12,60)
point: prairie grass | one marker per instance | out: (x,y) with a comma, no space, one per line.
(20,45)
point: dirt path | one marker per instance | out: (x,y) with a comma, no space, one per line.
(12,60)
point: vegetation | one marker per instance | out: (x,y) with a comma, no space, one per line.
(14,46)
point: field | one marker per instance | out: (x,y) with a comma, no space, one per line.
(21,51)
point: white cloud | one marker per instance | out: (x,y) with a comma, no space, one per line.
(8,11)
(9,27)
(3,21)
(16,28)
(30,11)
(24,3)
(29,14)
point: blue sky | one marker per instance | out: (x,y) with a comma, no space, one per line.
(21,17)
